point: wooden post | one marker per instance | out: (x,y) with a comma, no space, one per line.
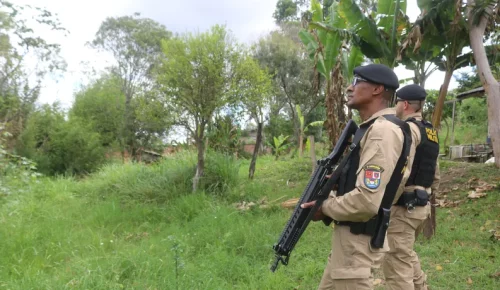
(453,124)
(313,152)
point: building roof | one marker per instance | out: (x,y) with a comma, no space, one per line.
(477,92)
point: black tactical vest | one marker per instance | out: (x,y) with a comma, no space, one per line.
(427,152)
(347,180)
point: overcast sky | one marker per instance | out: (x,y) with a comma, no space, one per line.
(248,20)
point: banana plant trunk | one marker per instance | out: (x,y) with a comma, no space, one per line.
(331,121)
(438,110)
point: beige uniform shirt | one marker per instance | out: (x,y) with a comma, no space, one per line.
(379,152)
(416,139)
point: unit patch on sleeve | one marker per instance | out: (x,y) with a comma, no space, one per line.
(372,176)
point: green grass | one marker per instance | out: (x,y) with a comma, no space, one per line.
(139,227)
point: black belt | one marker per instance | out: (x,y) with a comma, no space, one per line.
(357,228)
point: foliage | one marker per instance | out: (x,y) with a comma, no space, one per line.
(16,171)
(221,174)
(223,135)
(283,56)
(94,240)
(135,43)
(59,146)
(101,105)
(278,125)
(474,111)
(279,145)
(25,58)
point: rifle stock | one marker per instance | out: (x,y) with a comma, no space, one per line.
(317,189)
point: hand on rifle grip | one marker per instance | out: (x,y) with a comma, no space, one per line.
(319,213)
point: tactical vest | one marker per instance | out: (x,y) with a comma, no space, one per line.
(377,225)
(427,152)
(347,180)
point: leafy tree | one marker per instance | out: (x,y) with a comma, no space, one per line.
(255,91)
(136,46)
(102,105)
(293,80)
(20,80)
(196,73)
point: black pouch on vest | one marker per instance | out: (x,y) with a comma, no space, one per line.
(422,197)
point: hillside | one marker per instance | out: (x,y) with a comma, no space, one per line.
(138,227)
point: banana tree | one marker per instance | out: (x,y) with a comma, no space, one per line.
(279,145)
(327,49)
(376,35)
(304,129)
(379,31)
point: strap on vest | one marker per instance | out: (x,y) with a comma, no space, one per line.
(397,175)
(370,227)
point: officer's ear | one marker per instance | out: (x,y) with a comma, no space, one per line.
(379,90)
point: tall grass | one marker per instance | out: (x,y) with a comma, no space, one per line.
(141,227)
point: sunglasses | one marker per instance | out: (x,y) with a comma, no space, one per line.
(357,79)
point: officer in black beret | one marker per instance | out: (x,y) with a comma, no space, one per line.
(401,265)
(363,189)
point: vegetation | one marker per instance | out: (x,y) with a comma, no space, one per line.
(78,208)
(137,226)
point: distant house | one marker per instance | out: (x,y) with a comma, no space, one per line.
(250,141)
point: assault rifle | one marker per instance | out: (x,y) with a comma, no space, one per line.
(318,189)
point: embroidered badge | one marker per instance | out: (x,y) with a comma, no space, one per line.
(432,135)
(372,176)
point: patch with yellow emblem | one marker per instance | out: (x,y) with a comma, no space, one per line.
(372,177)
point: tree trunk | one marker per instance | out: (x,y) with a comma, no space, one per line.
(312,152)
(490,84)
(200,165)
(430,224)
(251,171)
(330,115)
(438,110)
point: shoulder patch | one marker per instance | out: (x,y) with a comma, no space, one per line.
(372,177)
(432,135)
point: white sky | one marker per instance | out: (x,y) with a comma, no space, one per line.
(248,20)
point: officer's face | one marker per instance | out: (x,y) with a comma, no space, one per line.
(400,107)
(360,93)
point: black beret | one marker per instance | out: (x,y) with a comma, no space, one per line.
(379,74)
(411,93)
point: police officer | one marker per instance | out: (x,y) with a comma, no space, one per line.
(364,181)
(401,265)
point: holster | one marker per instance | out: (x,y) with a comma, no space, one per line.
(418,197)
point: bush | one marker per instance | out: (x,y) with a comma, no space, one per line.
(59,146)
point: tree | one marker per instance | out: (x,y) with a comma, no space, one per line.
(136,46)
(102,105)
(196,74)
(325,46)
(20,80)
(481,14)
(286,61)
(255,90)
